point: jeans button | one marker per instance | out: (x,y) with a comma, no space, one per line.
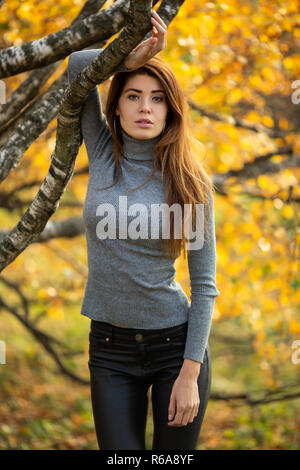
(139,337)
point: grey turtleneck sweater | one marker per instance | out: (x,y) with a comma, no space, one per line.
(131,281)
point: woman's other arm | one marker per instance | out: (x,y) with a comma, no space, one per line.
(202,269)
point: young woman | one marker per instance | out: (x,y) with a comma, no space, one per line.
(144,331)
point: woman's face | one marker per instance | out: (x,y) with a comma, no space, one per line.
(143,97)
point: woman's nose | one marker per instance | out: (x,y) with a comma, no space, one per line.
(145,104)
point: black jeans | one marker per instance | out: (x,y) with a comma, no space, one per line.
(123,363)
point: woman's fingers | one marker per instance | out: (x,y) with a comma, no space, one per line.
(158,25)
(151,46)
(161,28)
(156,15)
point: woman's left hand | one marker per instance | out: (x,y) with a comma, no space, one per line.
(148,48)
(184,400)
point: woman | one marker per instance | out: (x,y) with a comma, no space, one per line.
(144,331)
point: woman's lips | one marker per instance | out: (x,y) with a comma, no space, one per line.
(144,124)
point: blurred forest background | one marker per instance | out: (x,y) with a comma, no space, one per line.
(238,63)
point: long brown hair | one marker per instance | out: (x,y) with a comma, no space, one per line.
(177,154)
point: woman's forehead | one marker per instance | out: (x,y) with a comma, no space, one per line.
(141,81)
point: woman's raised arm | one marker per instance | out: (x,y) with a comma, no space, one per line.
(94,127)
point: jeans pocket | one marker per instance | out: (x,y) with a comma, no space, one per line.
(98,341)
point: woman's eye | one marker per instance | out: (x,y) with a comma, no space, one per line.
(155,97)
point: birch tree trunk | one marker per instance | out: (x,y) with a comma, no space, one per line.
(66,100)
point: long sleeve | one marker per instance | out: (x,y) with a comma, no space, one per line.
(202,269)
(94,126)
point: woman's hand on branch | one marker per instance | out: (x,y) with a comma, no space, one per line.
(150,47)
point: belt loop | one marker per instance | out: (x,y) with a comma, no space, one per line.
(111,333)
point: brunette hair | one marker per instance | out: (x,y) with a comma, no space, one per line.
(177,154)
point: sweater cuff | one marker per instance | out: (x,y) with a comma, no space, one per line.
(199,325)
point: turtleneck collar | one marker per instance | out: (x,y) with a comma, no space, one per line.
(138,149)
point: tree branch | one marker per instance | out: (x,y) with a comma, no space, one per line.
(45,340)
(68,129)
(30,87)
(237,122)
(77,36)
(259,166)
